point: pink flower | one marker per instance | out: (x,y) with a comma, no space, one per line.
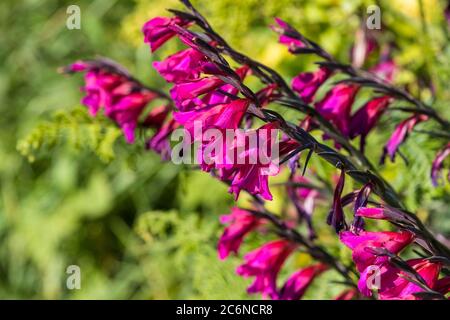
(110,87)
(77,66)
(363,121)
(297,284)
(349,294)
(160,140)
(286,37)
(184,94)
(365,44)
(241,222)
(126,111)
(267,94)
(253,165)
(306,84)
(442,285)
(182,66)
(336,216)
(222,94)
(304,200)
(386,69)
(394,286)
(98,88)
(337,105)
(221,116)
(157,30)
(361,245)
(438,165)
(400,134)
(382,213)
(362,197)
(156,117)
(264,264)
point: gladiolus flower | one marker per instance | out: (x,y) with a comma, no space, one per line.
(363,121)
(361,243)
(126,111)
(160,140)
(336,216)
(156,117)
(184,94)
(304,200)
(297,284)
(306,84)
(284,29)
(241,222)
(442,285)
(221,116)
(365,44)
(110,87)
(157,30)
(349,294)
(223,93)
(438,165)
(387,213)
(385,70)
(393,285)
(400,134)
(337,105)
(361,200)
(267,94)
(182,66)
(254,163)
(264,264)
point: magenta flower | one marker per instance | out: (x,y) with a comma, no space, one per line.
(386,69)
(284,29)
(241,222)
(182,66)
(361,245)
(251,168)
(394,286)
(98,88)
(400,134)
(221,116)
(223,93)
(159,142)
(365,44)
(157,30)
(264,264)
(126,111)
(156,117)
(185,94)
(382,213)
(363,121)
(361,200)
(267,94)
(77,66)
(442,285)
(336,216)
(337,105)
(372,213)
(108,86)
(297,284)
(304,200)
(249,178)
(438,165)
(306,84)
(348,294)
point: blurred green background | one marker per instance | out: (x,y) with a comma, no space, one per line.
(74,193)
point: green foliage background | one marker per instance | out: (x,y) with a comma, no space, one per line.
(73,192)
